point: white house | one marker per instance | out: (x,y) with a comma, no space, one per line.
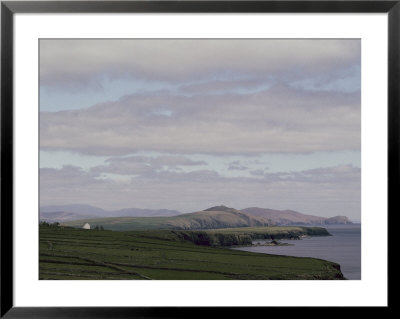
(86,226)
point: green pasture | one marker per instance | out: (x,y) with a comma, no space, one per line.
(70,253)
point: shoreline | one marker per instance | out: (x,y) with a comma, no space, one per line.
(342,248)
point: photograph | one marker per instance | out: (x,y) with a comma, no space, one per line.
(199,159)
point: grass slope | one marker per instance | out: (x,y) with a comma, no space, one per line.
(68,253)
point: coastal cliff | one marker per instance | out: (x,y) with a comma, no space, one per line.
(245,235)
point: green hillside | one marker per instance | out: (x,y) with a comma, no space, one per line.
(212,218)
(70,253)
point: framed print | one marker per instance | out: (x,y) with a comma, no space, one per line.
(163,155)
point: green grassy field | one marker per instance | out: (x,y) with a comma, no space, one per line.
(125,223)
(68,253)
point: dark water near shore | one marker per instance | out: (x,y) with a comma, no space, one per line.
(344,248)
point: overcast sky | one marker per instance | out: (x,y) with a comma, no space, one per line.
(189,124)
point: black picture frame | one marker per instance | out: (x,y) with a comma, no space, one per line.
(9,8)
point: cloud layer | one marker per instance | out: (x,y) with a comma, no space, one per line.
(186,124)
(279,119)
(76,63)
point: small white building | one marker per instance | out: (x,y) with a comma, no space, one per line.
(86,226)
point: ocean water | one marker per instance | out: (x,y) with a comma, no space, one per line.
(343,247)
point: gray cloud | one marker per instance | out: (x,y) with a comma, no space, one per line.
(236,166)
(198,176)
(144,165)
(217,86)
(281,119)
(76,64)
(341,174)
(67,176)
(257,172)
(335,174)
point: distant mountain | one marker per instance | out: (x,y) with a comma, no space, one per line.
(138,212)
(211,218)
(290,217)
(62,213)
(52,217)
(74,208)
(337,220)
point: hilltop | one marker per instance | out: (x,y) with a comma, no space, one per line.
(211,218)
(290,217)
(220,217)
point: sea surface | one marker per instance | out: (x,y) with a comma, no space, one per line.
(343,247)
